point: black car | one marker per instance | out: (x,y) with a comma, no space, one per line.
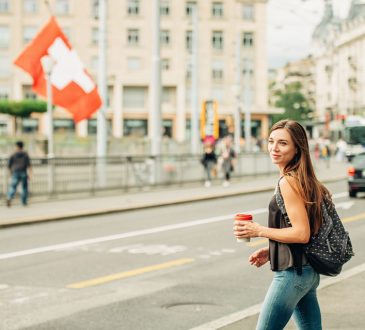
(356,175)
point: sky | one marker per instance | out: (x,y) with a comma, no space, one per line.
(290,27)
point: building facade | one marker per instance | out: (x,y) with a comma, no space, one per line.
(129,61)
(338,53)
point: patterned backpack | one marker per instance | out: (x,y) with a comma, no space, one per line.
(331,247)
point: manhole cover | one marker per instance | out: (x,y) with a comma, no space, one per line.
(190,306)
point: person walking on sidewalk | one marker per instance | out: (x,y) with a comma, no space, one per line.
(227,158)
(209,161)
(293,289)
(20,169)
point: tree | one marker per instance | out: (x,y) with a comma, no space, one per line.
(22,109)
(294,103)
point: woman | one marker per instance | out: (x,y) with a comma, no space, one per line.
(293,289)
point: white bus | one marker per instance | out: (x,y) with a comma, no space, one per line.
(354,135)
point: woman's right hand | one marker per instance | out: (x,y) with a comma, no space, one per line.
(259,257)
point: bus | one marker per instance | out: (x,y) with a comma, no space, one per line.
(354,135)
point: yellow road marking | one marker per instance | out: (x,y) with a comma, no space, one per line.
(129,273)
(354,218)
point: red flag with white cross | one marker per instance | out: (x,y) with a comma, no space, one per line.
(72,86)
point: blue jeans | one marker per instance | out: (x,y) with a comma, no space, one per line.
(16,178)
(291,294)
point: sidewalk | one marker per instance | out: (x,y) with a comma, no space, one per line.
(72,208)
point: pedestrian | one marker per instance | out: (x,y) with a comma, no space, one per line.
(227,158)
(293,289)
(341,147)
(20,169)
(209,161)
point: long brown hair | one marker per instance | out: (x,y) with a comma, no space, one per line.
(301,168)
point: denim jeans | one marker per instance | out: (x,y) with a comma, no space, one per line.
(16,178)
(291,294)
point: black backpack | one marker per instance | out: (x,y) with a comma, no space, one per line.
(331,247)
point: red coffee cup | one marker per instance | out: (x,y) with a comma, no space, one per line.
(243,217)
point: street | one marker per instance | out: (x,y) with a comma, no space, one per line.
(172,267)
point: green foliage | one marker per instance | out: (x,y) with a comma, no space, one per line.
(294,103)
(22,108)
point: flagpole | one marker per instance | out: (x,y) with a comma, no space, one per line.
(47,65)
(101,115)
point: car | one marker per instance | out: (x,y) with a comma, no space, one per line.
(356,175)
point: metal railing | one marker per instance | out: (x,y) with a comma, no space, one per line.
(59,176)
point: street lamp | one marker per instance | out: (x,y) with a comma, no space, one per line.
(47,65)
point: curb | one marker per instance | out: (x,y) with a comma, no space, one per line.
(139,205)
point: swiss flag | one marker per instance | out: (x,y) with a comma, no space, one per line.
(72,86)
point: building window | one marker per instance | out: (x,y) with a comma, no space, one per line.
(4,93)
(133,7)
(4,36)
(63,125)
(167,126)
(247,40)
(5,65)
(165,8)
(165,37)
(95,36)
(133,37)
(134,97)
(4,6)
(95,9)
(217,70)
(28,93)
(188,77)
(248,12)
(30,6)
(62,7)
(247,66)
(109,97)
(217,9)
(189,40)
(28,33)
(189,8)
(92,125)
(217,40)
(30,125)
(133,63)
(135,127)
(94,64)
(165,64)
(168,95)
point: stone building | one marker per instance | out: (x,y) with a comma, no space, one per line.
(129,62)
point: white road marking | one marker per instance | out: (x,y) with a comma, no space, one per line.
(124,235)
(136,233)
(345,205)
(340,195)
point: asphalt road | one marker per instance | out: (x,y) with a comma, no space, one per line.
(170,267)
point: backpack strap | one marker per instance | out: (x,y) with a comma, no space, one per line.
(295,248)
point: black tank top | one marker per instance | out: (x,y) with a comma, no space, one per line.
(282,255)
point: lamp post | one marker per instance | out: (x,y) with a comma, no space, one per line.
(47,65)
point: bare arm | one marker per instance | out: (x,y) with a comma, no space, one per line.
(295,207)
